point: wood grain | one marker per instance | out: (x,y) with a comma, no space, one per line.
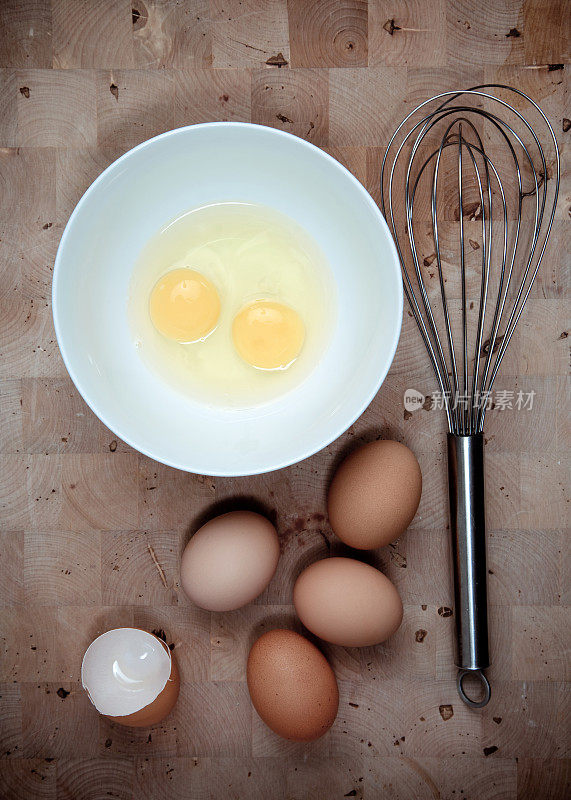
(26,33)
(247,33)
(328,33)
(293,100)
(82,514)
(411,33)
(169,34)
(91,33)
(57,110)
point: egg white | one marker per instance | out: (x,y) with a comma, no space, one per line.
(249,252)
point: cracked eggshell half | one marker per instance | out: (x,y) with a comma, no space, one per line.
(131,677)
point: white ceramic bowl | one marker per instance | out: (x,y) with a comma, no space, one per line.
(151,185)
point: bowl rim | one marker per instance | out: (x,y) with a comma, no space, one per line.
(306,452)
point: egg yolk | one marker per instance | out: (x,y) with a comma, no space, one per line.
(184,306)
(268,335)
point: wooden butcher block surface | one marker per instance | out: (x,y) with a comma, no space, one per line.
(84,519)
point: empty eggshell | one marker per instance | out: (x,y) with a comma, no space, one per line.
(348,603)
(130,677)
(374,494)
(230,561)
(292,686)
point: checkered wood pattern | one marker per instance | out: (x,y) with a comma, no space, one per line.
(82,81)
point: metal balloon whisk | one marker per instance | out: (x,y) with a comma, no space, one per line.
(469,181)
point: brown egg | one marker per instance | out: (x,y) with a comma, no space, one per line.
(347,602)
(230,561)
(374,494)
(292,686)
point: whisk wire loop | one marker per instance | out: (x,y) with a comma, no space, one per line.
(466,388)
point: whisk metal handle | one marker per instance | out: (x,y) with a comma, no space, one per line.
(468,528)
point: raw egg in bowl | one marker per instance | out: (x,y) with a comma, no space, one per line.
(227,298)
